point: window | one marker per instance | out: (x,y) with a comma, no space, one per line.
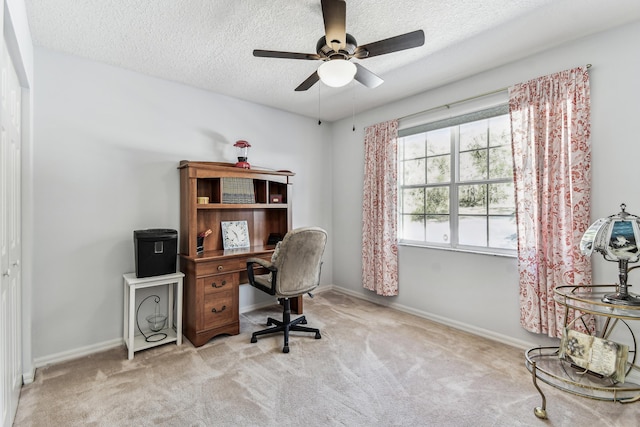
(456,183)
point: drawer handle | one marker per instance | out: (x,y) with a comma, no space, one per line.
(220,268)
(224,282)
(224,307)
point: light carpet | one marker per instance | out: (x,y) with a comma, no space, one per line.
(374,366)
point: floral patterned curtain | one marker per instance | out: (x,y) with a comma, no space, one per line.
(550,125)
(379,209)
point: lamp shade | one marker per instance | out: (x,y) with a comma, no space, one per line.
(336,72)
(616,237)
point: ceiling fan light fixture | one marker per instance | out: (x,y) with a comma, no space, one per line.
(337,72)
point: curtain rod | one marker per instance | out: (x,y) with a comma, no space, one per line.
(461,101)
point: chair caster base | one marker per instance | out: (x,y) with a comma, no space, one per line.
(285,326)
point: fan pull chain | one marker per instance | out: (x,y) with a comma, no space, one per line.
(319,121)
(353,104)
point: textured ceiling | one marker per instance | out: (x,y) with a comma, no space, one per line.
(208,44)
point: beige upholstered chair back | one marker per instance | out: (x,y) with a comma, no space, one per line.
(298,260)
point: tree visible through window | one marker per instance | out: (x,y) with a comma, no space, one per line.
(456,183)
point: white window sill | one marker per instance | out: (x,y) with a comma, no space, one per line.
(478,251)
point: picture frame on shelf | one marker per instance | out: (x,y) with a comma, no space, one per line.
(235,234)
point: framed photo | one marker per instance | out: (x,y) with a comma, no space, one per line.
(235,234)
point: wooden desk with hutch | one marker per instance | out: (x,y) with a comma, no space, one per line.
(212,278)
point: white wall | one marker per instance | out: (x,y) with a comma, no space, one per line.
(478,291)
(107,146)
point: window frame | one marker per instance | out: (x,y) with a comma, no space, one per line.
(454,184)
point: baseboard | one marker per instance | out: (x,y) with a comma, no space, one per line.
(28,377)
(76,353)
(485,333)
(252,307)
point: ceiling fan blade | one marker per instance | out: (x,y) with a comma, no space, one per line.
(311,80)
(285,55)
(392,44)
(334,13)
(367,78)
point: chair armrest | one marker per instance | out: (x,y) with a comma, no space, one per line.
(263,263)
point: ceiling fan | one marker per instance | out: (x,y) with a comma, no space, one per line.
(337,47)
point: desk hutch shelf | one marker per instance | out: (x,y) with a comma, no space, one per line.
(213,275)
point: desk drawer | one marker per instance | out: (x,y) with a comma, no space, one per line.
(221,266)
(220,309)
(218,282)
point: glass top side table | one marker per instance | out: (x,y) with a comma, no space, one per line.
(545,364)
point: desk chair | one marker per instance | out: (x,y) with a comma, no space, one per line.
(294,271)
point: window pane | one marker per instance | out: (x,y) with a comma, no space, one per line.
(473,165)
(438,169)
(437,200)
(439,142)
(438,228)
(473,135)
(414,172)
(502,199)
(500,131)
(502,232)
(413,201)
(472,199)
(412,227)
(500,162)
(413,146)
(472,230)
(481,174)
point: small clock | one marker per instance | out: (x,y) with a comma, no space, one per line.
(235,234)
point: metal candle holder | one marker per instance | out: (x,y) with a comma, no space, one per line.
(156,321)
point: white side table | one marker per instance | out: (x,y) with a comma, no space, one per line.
(131,284)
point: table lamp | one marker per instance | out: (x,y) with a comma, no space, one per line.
(616,238)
